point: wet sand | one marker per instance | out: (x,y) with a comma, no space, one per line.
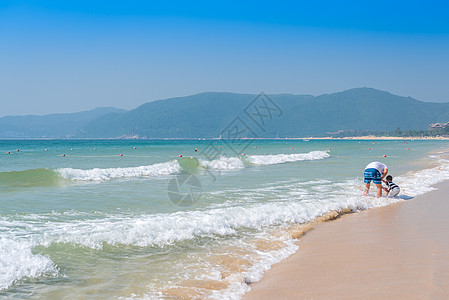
(395,252)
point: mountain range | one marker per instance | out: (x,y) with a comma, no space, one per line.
(207,115)
(50,126)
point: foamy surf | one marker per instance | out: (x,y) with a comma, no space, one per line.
(173,167)
(225,220)
(311,200)
(17,262)
(222,163)
(137,244)
(162,230)
(236,163)
(423,181)
(284,158)
(97,174)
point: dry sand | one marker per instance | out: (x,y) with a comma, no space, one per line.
(395,252)
(373,137)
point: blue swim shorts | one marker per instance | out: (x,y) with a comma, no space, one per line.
(372,174)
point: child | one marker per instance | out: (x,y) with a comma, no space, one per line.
(392,189)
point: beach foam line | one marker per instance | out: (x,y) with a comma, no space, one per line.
(416,183)
(334,254)
(413,183)
(97,174)
(284,158)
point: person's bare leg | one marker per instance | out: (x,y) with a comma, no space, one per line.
(366,189)
(379,190)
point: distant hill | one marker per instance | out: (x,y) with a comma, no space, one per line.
(50,126)
(207,114)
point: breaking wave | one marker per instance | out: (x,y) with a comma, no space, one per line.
(98,174)
(223,163)
(283,158)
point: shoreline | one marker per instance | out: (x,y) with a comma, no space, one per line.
(388,138)
(397,251)
(357,138)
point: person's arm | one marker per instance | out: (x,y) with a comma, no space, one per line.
(387,187)
(384,173)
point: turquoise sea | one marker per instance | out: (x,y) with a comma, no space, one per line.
(112,219)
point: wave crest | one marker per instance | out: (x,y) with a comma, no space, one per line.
(283,158)
(97,174)
(223,163)
(18,261)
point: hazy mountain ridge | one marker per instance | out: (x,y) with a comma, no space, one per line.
(207,114)
(60,125)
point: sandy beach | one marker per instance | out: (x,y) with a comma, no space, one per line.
(380,138)
(396,252)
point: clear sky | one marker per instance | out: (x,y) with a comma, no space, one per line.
(67,56)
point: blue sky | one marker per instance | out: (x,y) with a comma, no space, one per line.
(67,56)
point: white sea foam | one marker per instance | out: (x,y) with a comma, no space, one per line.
(235,163)
(297,202)
(164,229)
(283,158)
(17,262)
(419,182)
(292,202)
(97,174)
(239,287)
(222,163)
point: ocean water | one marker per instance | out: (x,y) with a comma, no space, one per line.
(132,219)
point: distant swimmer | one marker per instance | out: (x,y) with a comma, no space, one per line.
(392,189)
(375,172)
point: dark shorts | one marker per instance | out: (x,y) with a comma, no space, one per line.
(372,174)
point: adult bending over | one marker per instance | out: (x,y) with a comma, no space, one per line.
(375,172)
